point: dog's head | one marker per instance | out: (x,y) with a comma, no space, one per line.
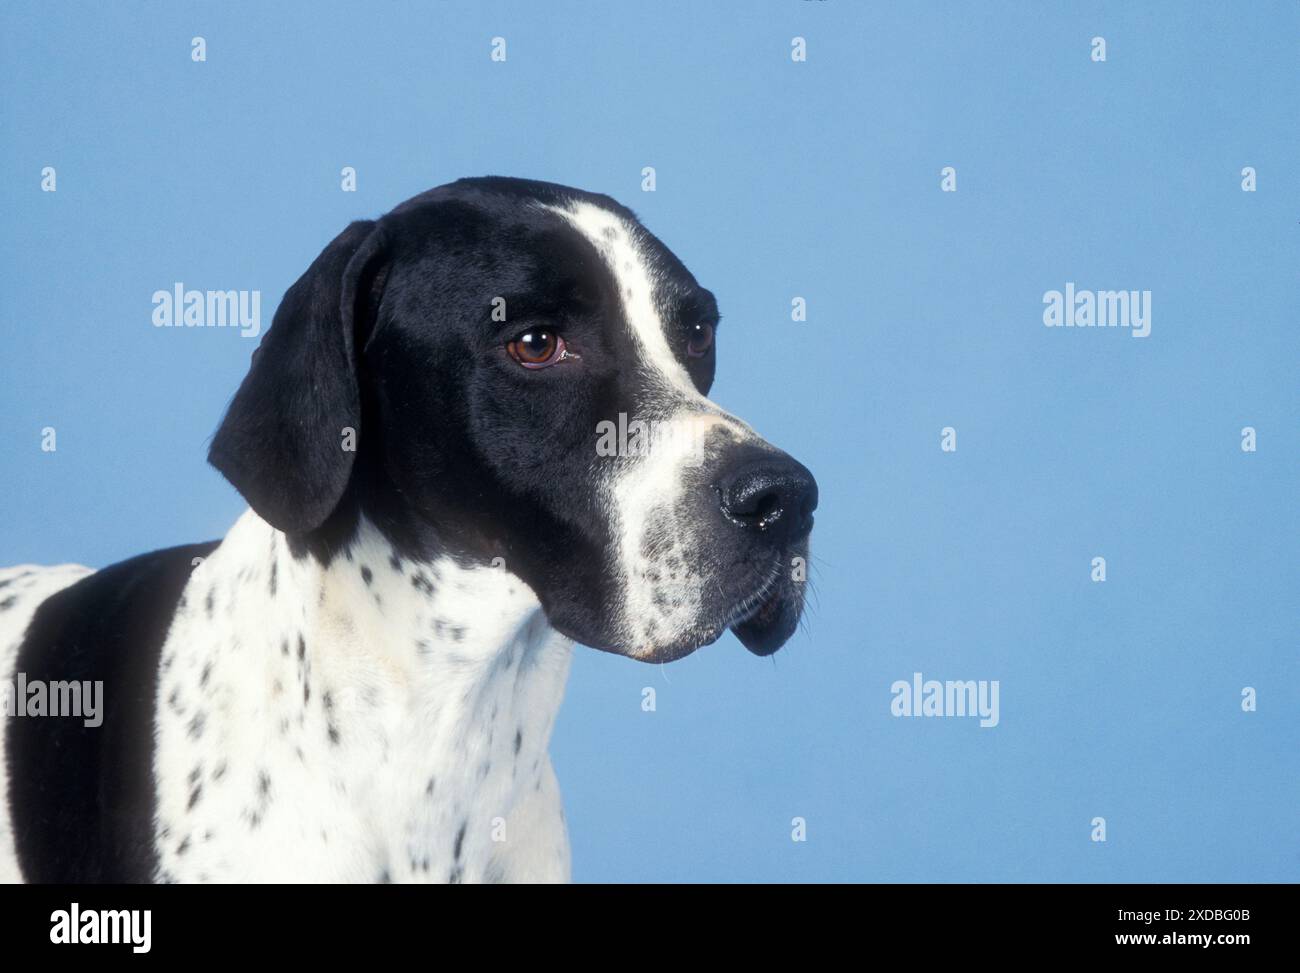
(514,369)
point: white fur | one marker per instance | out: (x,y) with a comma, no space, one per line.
(417,686)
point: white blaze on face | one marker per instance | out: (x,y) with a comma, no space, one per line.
(616,241)
(660,563)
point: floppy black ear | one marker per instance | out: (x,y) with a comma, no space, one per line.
(282,441)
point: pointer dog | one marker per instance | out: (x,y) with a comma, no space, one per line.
(358,683)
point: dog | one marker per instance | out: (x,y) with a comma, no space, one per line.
(358,682)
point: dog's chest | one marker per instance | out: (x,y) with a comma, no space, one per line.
(376,721)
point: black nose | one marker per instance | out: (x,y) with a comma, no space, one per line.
(773,496)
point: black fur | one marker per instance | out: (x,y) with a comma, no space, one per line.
(83,798)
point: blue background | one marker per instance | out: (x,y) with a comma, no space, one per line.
(775,179)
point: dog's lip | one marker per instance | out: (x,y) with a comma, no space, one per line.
(765,626)
(763,621)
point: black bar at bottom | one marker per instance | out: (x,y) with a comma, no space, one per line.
(302,922)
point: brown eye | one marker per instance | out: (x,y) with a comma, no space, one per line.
(536,349)
(699,340)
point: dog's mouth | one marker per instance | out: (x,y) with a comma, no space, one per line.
(770,616)
(763,620)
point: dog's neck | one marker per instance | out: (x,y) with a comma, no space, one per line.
(428,690)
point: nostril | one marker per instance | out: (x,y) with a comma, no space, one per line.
(751,509)
(769,509)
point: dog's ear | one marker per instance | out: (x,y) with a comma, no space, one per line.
(282,442)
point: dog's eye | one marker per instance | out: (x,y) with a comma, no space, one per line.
(699,340)
(537,349)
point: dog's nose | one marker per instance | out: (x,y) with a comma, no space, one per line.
(773,496)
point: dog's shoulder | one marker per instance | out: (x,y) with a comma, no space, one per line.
(23,589)
(97,626)
(81,796)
